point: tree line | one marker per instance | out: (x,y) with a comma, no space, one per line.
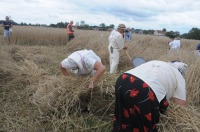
(101,27)
(194,33)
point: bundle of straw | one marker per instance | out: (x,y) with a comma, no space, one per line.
(180,119)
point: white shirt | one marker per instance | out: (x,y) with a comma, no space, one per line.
(84,61)
(175,44)
(164,79)
(197,52)
(116,40)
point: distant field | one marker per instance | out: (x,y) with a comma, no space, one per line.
(34,96)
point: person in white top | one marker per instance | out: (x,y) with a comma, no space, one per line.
(83,62)
(144,92)
(116,43)
(175,44)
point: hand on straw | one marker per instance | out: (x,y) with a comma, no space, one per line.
(91,85)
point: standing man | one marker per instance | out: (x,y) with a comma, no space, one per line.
(83,62)
(116,43)
(7,25)
(128,34)
(70,32)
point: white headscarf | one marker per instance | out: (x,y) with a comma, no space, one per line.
(70,64)
(180,66)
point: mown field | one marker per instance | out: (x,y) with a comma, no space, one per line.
(36,97)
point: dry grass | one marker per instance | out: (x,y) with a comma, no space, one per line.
(39,36)
(34,96)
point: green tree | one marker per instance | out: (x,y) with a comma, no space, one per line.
(52,25)
(112,26)
(172,34)
(164,30)
(86,27)
(148,31)
(194,33)
(102,26)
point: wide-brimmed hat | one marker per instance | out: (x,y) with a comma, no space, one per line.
(121,26)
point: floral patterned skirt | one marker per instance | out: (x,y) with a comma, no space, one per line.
(136,106)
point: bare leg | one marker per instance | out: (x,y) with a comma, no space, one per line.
(9,40)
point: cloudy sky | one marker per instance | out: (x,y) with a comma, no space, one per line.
(175,15)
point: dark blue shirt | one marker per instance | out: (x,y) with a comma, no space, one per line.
(7,23)
(198,47)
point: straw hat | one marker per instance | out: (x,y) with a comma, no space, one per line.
(121,26)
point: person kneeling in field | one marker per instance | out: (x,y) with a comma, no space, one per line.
(142,93)
(84,62)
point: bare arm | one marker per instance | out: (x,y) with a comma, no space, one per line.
(63,70)
(5,25)
(179,101)
(100,68)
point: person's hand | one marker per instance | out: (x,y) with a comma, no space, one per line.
(91,85)
(125,48)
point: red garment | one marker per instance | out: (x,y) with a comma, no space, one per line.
(69,29)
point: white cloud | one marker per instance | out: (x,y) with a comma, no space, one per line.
(173,15)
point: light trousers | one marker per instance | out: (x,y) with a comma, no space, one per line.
(114,59)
